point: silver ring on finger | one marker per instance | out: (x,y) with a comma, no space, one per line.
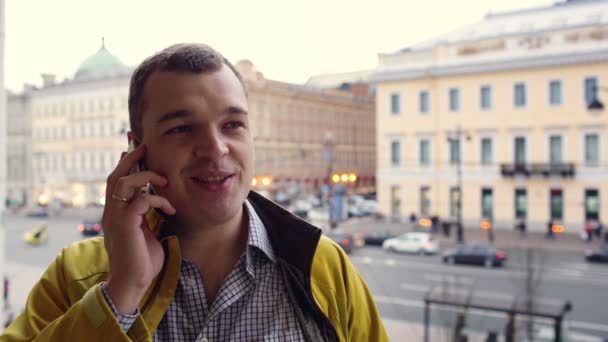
(122,199)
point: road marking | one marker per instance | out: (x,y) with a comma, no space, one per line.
(414,287)
(587,326)
(367,260)
(474,291)
(450,278)
(420,304)
(504,273)
(390,262)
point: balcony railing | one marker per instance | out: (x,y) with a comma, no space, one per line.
(565,170)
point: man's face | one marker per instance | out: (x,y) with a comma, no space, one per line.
(197,131)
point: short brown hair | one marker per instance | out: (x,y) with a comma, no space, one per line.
(195,58)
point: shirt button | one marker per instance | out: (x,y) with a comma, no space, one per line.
(190,282)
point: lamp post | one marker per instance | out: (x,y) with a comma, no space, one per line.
(453,138)
(328,154)
(596,105)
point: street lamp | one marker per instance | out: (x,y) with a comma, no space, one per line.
(454,137)
(328,154)
(596,105)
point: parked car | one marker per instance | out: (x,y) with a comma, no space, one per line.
(90,227)
(597,255)
(421,243)
(488,256)
(377,238)
(39,212)
(345,240)
(38,235)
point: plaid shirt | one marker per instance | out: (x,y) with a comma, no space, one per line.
(251,305)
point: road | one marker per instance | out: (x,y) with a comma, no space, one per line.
(399,282)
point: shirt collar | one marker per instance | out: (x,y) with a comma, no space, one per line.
(258,237)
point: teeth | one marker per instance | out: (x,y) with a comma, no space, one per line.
(210,179)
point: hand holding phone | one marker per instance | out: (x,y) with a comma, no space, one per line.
(136,256)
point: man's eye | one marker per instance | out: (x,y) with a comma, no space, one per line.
(178,129)
(234,124)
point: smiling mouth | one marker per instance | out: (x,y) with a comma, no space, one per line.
(211,180)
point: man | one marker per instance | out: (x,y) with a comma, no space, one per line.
(199,256)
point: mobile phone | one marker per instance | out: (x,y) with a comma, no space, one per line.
(141,166)
(154,221)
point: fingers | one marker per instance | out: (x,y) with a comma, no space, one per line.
(128,161)
(145,202)
(128,186)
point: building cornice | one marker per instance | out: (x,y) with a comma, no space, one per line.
(536,62)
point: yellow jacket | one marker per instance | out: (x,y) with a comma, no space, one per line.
(332,301)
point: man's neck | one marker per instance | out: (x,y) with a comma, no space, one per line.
(215,249)
(204,244)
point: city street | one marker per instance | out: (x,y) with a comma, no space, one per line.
(398,281)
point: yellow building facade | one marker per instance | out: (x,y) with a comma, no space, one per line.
(503,103)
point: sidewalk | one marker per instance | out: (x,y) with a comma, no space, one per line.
(505,239)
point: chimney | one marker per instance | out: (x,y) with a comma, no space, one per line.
(48,80)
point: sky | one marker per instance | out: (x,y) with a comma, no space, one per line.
(286,40)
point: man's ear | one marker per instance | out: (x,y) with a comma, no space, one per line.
(131,137)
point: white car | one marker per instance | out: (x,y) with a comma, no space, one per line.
(421,243)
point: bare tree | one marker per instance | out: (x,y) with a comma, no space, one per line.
(528,277)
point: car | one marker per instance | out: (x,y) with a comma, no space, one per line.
(597,255)
(344,239)
(90,227)
(39,212)
(377,238)
(38,235)
(485,255)
(421,243)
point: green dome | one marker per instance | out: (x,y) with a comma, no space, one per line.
(101,61)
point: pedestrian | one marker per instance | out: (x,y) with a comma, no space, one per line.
(446,226)
(598,228)
(606,237)
(412,219)
(589,231)
(434,224)
(197,255)
(549,230)
(522,227)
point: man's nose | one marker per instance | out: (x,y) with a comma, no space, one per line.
(210,143)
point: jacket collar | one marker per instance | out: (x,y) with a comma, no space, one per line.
(293,239)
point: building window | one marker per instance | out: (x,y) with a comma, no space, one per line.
(521,204)
(454,151)
(395,201)
(555,92)
(485,97)
(454,201)
(425,152)
(592,153)
(486,151)
(395,103)
(556,200)
(520,94)
(424,102)
(395,152)
(520,150)
(592,204)
(555,149)
(487,203)
(425,201)
(590,89)
(454,99)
